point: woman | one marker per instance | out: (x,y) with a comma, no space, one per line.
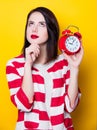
(43,85)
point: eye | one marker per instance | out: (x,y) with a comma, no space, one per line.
(30,23)
(42,24)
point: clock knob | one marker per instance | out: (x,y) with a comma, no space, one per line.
(77,34)
(65,32)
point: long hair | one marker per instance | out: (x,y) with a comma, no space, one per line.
(53,32)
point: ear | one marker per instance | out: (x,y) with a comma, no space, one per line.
(65,32)
(77,34)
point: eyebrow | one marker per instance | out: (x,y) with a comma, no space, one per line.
(39,21)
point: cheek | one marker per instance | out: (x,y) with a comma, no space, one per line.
(28,33)
(45,35)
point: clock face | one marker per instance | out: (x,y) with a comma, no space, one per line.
(72,44)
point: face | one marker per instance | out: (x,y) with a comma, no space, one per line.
(36,29)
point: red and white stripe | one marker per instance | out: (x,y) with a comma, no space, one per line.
(51,107)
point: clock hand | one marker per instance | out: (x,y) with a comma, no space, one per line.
(70,43)
(74,40)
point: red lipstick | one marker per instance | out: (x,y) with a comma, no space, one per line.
(33,36)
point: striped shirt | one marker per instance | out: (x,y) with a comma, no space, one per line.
(51,108)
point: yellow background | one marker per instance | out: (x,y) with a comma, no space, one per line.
(81,13)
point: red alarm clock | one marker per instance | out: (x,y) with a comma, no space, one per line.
(70,42)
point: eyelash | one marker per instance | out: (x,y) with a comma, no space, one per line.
(42,24)
(30,23)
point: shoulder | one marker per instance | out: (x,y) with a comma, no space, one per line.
(61,59)
(58,64)
(17,59)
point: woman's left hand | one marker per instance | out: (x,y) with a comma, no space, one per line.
(75,60)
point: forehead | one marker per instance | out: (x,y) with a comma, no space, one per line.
(36,16)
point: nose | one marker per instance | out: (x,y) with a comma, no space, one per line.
(35,28)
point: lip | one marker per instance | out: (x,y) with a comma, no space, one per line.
(33,36)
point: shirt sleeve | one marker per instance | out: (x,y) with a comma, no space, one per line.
(66,76)
(18,97)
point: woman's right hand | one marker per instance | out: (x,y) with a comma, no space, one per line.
(31,53)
